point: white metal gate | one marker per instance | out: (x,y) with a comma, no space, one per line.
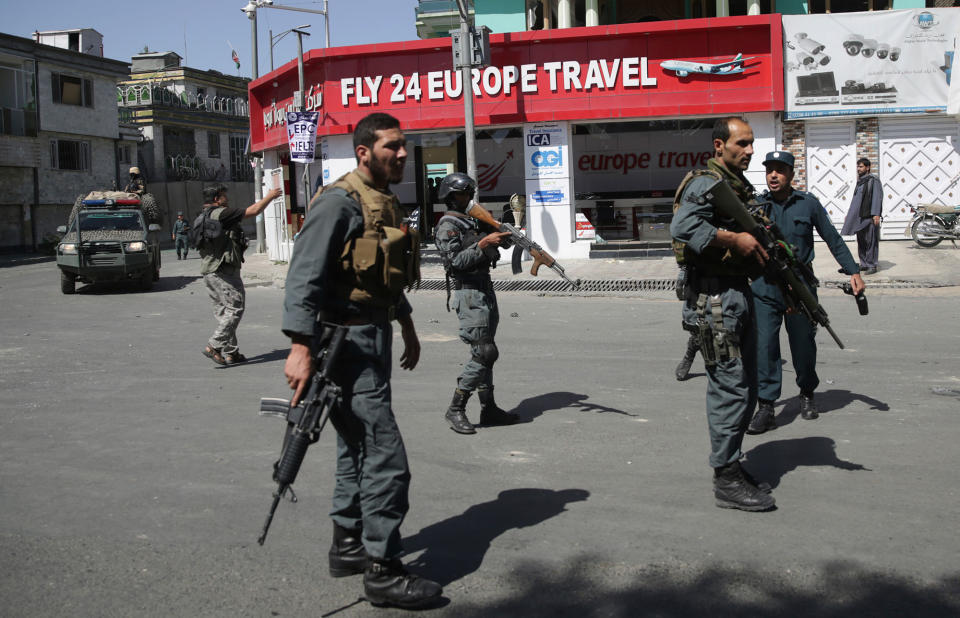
(919,163)
(832,165)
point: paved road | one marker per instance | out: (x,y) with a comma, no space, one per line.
(134,474)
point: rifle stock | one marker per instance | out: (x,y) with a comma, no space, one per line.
(539,255)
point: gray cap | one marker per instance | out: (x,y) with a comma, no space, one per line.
(779,155)
(179,213)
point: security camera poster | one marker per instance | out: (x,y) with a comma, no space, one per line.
(868,63)
(302,135)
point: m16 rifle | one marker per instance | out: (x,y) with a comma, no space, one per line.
(521,243)
(306,420)
(782,268)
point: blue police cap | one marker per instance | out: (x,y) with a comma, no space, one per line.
(779,155)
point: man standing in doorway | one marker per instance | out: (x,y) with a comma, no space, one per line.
(863,218)
(719,257)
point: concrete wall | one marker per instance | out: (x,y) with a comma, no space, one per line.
(63,186)
(100,120)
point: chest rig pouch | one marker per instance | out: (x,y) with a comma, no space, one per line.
(376,266)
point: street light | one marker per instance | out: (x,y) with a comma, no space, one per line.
(276,39)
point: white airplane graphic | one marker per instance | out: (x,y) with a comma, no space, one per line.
(683,67)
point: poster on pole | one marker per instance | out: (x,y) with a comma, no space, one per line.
(302,135)
(868,63)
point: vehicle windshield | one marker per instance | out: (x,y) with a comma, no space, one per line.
(110,221)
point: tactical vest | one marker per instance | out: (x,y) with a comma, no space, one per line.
(713,261)
(225,250)
(470,234)
(376,266)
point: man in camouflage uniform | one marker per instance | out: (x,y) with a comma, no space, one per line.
(719,256)
(468,254)
(220,263)
(354,224)
(136,184)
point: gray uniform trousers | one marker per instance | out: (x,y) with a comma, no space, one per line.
(801,333)
(183,247)
(372,481)
(731,383)
(868,246)
(229,298)
(479,317)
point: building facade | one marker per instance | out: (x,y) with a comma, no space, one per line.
(60,134)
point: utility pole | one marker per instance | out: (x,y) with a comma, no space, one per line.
(466,60)
(251,11)
(306,166)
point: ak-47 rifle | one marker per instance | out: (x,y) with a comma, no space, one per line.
(782,268)
(306,420)
(521,243)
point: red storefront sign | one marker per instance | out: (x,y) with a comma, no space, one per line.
(599,73)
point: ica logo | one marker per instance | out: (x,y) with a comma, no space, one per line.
(538,139)
(549,157)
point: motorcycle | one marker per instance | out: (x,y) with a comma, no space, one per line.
(932,223)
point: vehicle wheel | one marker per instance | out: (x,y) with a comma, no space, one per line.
(924,240)
(150,208)
(68,283)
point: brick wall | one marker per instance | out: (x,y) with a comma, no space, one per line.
(794,143)
(868,141)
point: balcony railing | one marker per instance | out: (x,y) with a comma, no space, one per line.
(140,96)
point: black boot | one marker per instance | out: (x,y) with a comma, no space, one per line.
(808,409)
(763,418)
(347,555)
(733,491)
(387,583)
(683,369)
(457,413)
(490,412)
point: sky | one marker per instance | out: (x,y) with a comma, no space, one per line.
(203,31)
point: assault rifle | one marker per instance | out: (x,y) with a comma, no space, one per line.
(521,243)
(783,268)
(306,420)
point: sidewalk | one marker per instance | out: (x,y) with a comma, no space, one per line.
(902,264)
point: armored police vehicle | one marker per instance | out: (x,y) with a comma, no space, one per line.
(110,236)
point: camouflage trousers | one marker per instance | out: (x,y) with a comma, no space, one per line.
(228,296)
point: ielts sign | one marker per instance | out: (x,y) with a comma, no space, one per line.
(598,73)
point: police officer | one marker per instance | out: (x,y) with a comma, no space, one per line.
(181,231)
(355,223)
(136,184)
(719,257)
(468,253)
(797,214)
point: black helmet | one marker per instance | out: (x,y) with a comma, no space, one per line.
(455,183)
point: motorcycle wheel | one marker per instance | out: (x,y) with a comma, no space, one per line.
(924,240)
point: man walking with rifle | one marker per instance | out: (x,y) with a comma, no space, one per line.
(349,268)
(796,214)
(719,254)
(469,249)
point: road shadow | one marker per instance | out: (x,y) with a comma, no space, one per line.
(455,547)
(164,284)
(16,259)
(830,589)
(532,407)
(828,401)
(266,357)
(771,461)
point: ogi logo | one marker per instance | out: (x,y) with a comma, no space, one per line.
(549,157)
(538,139)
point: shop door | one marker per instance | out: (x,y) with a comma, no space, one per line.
(919,164)
(832,166)
(438,158)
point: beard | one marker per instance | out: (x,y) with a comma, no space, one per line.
(383,173)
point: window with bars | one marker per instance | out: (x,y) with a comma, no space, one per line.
(239,167)
(68,154)
(213,144)
(71,90)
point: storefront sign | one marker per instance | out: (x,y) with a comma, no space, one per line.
(302,135)
(604,72)
(868,63)
(585,229)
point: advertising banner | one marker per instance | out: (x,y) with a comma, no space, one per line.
(868,63)
(302,135)
(547,151)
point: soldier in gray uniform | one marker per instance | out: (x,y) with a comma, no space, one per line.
(468,254)
(350,266)
(719,257)
(181,231)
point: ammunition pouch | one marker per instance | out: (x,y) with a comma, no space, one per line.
(717,344)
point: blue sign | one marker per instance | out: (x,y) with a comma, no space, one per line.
(548,197)
(548,157)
